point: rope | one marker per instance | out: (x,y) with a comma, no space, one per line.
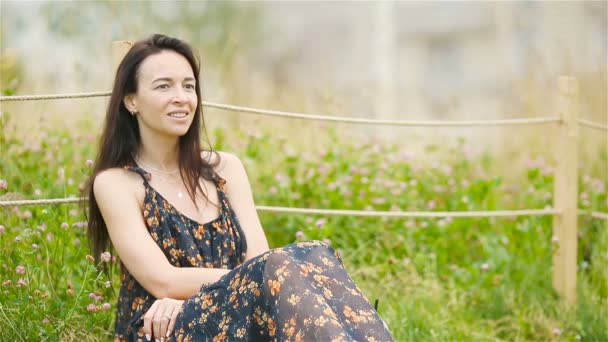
(442,214)
(320,117)
(18,203)
(54,96)
(593,124)
(594,214)
(367,213)
(276,113)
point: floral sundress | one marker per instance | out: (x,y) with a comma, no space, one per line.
(300,292)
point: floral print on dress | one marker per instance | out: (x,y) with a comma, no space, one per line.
(300,292)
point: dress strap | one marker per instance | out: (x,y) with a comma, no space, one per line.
(145,175)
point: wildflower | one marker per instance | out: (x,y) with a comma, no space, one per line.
(424,224)
(108,284)
(598,186)
(484,267)
(45,321)
(106,306)
(91,308)
(73,212)
(92,296)
(378,200)
(431,205)
(557,332)
(64,225)
(89,162)
(272,190)
(2,229)
(76,242)
(299,234)
(70,292)
(320,223)
(41,227)
(50,237)
(20,269)
(410,224)
(3,184)
(26,214)
(7,282)
(90,258)
(37,192)
(21,282)
(6,293)
(547,171)
(413,182)
(106,257)
(555,239)
(61,173)
(18,239)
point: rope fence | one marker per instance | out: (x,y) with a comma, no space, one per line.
(565,182)
(322,117)
(366,213)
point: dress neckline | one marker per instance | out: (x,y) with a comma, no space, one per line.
(147,176)
(178,212)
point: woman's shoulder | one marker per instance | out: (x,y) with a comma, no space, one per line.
(115,178)
(221,161)
(228,166)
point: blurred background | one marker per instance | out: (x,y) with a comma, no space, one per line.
(385,60)
(436,278)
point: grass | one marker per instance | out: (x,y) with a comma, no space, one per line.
(435,279)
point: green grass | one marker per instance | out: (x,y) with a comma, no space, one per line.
(435,279)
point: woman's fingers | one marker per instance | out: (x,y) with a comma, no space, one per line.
(165,319)
(148,320)
(157,321)
(172,322)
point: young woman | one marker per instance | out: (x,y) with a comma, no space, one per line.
(194,265)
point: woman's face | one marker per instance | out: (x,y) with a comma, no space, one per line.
(166,95)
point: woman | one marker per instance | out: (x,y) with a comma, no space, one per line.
(190,281)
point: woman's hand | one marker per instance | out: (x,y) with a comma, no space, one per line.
(159,321)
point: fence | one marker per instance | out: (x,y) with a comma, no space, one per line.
(565,200)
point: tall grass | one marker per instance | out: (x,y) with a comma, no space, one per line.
(435,279)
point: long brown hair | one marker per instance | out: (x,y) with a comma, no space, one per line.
(120,140)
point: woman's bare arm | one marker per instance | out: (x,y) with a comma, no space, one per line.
(240,196)
(136,248)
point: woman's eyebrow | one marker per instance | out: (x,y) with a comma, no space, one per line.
(168,79)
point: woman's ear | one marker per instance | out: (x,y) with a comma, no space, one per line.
(130,103)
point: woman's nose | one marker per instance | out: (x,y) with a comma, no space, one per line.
(179,95)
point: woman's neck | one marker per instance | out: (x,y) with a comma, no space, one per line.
(159,152)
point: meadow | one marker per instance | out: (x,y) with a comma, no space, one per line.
(435,279)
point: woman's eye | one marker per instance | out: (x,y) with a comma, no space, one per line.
(190,86)
(162,86)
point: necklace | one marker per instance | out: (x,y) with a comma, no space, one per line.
(159,172)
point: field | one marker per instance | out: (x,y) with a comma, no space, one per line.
(435,279)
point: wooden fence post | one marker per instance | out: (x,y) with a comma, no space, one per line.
(566,191)
(119,50)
